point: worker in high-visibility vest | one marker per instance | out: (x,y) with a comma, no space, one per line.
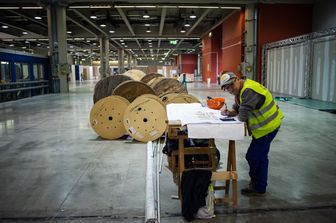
(254,104)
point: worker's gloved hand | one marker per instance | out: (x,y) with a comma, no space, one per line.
(228,112)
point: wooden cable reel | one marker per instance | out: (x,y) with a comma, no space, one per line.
(145,118)
(132,89)
(167,86)
(150,76)
(154,81)
(136,75)
(106,117)
(179,98)
(105,86)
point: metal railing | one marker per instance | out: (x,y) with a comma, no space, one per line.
(16,90)
(154,167)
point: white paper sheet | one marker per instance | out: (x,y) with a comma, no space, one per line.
(203,122)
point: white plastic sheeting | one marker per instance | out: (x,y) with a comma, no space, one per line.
(287,70)
(324,70)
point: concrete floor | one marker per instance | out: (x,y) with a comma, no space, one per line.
(54,168)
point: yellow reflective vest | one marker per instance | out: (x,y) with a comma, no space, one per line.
(268,117)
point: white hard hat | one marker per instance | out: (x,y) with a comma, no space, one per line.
(227,78)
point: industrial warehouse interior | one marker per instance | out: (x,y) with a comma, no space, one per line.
(107,107)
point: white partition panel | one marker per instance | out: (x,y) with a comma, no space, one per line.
(287,70)
(324,70)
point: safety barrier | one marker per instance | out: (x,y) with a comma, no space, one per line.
(17,90)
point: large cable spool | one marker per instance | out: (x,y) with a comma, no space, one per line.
(167,86)
(179,98)
(154,81)
(150,76)
(132,89)
(106,117)
(145,118)
(136,75)
(105,86)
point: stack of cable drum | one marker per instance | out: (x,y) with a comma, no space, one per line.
(134,103)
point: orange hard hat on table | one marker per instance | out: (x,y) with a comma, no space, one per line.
(216,103)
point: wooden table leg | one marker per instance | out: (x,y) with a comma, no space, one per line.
(228,168)
(232,153)
(212,157)
(180,163)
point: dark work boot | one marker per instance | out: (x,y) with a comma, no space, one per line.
(252,192)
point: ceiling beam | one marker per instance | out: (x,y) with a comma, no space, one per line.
(21,28)
(198,21)
(82,26)
(31,19)
(123,16)
(96,27)
(163,16)
(190,30)
(218,23)
(90,22)
(162,21)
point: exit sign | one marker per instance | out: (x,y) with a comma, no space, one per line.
(173,42)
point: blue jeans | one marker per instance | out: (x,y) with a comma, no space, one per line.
(257,158)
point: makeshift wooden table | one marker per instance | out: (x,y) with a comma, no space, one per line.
(177,162)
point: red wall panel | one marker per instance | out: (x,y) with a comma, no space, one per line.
(189,63)
(232,49)
(281,21)
(211,55)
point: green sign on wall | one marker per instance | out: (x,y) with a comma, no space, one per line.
(173,42)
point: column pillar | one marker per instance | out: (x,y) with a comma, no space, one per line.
(129,61)
(104,57)
(121,60)
(250,64)
(60,67)
(199,64)
(135,62)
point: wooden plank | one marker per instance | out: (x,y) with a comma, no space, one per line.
(224,175)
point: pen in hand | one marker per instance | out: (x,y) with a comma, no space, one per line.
(229,112)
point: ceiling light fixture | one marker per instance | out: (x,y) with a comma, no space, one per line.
(100,6)
(147,24)
(79,7)
(146,16)
(145,6)
(186,24)
(24,33)
(38,17)
(69,32)
(183,30)
(112,31)
(31,7)
(229,7)
(148,30)
(5,7)
(93,17)
(192,16)
(102,25)
(4,27)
